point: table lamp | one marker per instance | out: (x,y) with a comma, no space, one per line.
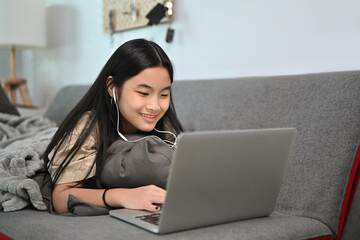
(22,25)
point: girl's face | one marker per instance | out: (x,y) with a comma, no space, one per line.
(144,99)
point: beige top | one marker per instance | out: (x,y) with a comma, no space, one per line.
(81,163)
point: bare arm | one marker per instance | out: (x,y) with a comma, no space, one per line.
(141,198)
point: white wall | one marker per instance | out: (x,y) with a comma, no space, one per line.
(213,39)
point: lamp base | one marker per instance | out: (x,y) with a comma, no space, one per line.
(11,85)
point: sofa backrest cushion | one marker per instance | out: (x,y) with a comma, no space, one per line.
(325,109)
(65,100)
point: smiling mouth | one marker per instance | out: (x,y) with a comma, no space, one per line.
(148,117)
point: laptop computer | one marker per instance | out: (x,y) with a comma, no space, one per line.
(219,177)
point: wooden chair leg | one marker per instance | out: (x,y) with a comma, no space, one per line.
(13,95)
(6,88)
(25,94)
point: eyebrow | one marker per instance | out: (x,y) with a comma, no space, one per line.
(151,88)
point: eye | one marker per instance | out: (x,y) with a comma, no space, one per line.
(165,94)
(143,93)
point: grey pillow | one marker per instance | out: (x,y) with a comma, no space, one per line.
(5,105)
(136,164)
(129,165)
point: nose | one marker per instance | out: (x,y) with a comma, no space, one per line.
(153,105)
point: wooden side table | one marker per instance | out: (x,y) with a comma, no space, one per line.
(11,85)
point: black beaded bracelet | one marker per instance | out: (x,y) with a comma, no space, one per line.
(103,197)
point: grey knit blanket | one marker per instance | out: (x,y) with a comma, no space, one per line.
(22,142)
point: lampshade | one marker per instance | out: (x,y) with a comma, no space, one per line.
(22,23)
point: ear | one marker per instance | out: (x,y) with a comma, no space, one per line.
(110,85)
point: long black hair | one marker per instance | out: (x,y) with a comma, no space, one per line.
(127,61)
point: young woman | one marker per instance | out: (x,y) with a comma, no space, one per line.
(132,94)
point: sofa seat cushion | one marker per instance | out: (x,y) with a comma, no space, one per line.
(31,224)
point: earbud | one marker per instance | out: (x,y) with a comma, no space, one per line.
(125,139)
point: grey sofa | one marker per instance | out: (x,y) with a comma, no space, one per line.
(318,197)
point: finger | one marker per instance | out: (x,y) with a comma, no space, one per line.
(158,198)
(156,195)
(158,201)
(152,208)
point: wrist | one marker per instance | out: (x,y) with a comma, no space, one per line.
(113,197)
(105,197)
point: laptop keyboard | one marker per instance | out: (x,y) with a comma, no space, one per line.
(151,218)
